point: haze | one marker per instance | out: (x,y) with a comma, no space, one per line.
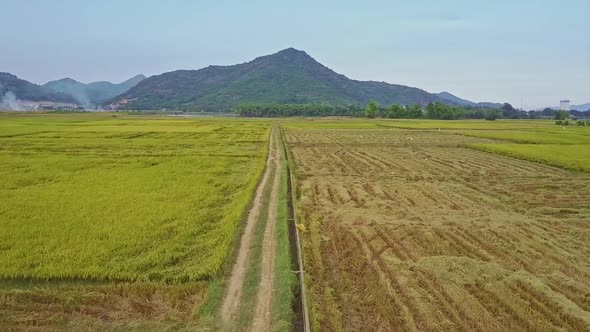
(528,53)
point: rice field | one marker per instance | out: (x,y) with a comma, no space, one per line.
(411,229)
(569,136)
(566,147)
(131,223)
(139,212)
(571,156)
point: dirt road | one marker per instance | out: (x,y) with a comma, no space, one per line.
(262,317)
(231,303)
(234,292)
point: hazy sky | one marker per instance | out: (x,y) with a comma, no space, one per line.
(502,50)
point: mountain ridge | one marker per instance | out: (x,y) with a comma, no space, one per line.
(288,76)
(464,102)
(14,89)
(91,94)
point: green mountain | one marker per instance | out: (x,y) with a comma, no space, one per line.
(449,97)
(287,77)
(92,94)
(13,89)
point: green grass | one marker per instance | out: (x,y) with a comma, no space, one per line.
(101,198)
(574,157)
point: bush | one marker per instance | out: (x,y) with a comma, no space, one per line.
(566,123)
(581,123)
(559,122)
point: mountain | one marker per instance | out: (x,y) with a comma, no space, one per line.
(91,94)
(464,102)
(452,98)
(581,108)
(14,89)
(289,76)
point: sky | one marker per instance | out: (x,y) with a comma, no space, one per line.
(531,53)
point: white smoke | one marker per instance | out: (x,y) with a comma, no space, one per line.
(82,99)
(10,103)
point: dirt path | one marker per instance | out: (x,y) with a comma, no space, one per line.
(232,299)
(262,317)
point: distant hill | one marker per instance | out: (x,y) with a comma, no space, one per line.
(91,94)
(14,89)
(450,97)
(287,77)
(463,102)
(581,107)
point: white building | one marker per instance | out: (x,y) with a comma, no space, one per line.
(564,105)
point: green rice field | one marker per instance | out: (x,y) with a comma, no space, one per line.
(102,198)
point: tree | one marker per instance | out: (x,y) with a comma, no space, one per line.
(492,114)
(509,112)
(274,110)
(371,109)
(396,111)
(561,115)
(414,111)
(444,112)
(431,111)
(507,108)
(548,111)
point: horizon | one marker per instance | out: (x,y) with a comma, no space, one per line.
(508,52)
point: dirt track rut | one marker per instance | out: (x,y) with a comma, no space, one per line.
(262,317)
(231,303)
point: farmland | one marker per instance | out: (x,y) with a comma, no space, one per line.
(410,227)
(159,223)
(110,221)
(566,148)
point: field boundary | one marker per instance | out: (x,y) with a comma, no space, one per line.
(301,317)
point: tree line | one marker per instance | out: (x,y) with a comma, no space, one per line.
(372,110)
(437,111)
(284,110)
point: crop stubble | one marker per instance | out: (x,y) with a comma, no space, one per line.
(407,230)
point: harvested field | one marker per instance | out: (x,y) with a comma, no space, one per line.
(408,229)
